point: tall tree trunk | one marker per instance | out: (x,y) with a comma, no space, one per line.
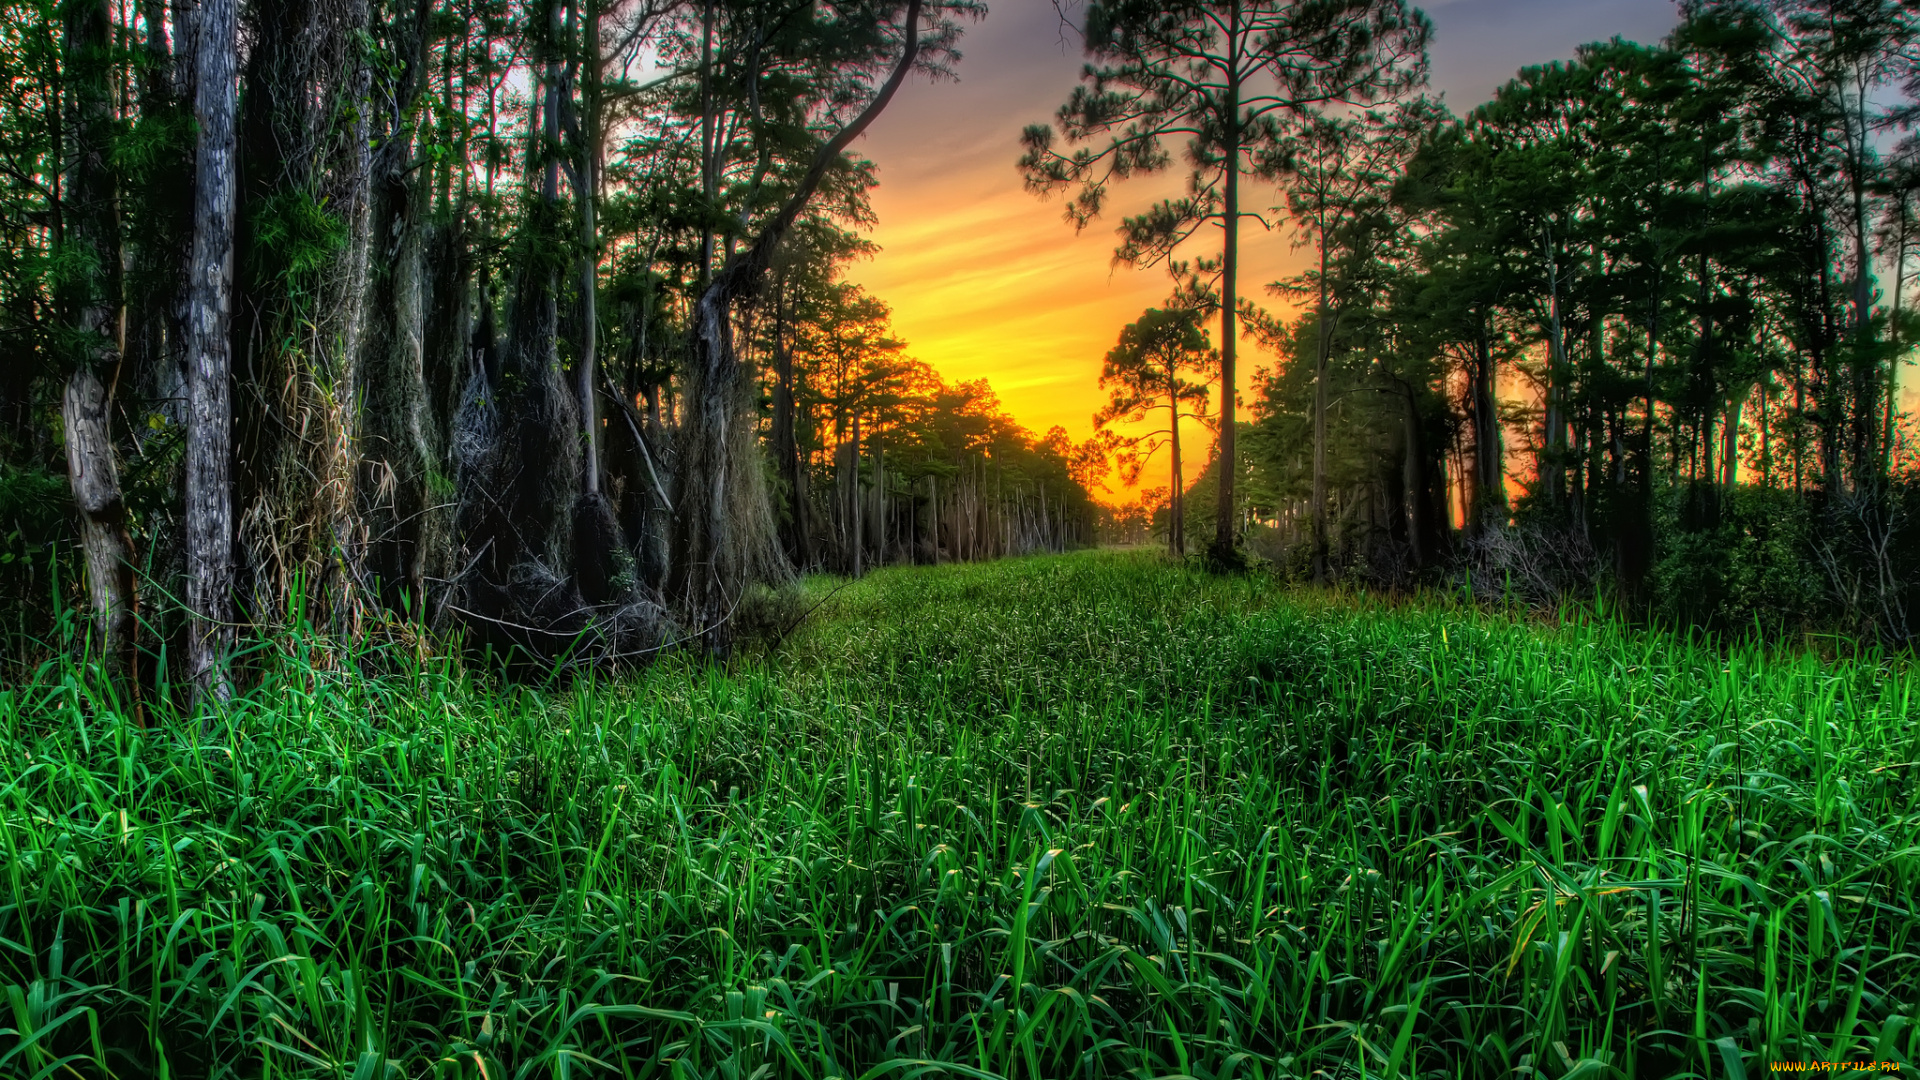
(786,452)
(596,532)
(92,234)
(209,503)
(1320,360)
(1177,527)
(297,304)
(855,505)
(1893,334)
(1553,465)
(1224,551)
(1730,444)
(1865,370)
(1410,480)
(396,449)
(1490,492)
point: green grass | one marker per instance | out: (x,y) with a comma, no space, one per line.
(1076,816)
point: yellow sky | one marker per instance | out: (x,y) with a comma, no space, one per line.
(986,280)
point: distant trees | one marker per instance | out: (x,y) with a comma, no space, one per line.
(1147,371)
(1228,77)
(1338,174)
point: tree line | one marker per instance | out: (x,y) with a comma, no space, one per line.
(1637,321)
(525,319)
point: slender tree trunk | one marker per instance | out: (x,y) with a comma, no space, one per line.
(1893,347)
(857,511)
(589,194)
(1490,494)
(1553,467)
(209,503)
(1320,359)
(1730,448)
(1866,384)
(1177,527)
(786,452)
(1224,552)
(91,232)
(709,182)
(1416,496)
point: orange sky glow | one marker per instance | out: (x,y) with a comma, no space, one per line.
(988,281)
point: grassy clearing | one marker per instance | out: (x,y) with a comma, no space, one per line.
(1078,816)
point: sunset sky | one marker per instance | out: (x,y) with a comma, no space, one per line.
(988,280)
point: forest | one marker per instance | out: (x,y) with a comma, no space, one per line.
(489,592)
(439,354)
(1635,325)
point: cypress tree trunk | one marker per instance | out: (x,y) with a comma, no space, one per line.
(396,454)
(302,223)
(785,449)
(209,502)
(854,508)
(93,301)
(723,534)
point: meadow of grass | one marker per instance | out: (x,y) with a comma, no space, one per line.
(1090,815)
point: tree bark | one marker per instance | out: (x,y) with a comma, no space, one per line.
(209,502)
(397,451)
(91,227)
(104,539)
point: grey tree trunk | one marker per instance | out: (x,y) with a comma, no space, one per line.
(209,502)
(92,472)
